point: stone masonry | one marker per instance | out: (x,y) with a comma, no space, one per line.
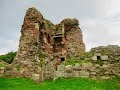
(42,44)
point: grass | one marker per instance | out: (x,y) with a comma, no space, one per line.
(74,60)
(60,84)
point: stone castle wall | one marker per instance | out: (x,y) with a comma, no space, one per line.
(74,47)
(88,70)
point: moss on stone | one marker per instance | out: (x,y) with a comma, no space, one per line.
(42,58)
(2,65)
(86,55)
(48,23)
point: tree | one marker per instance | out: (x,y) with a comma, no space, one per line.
(9,57)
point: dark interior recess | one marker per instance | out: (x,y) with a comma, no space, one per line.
(62,59)
(98,57)
(58,39)
(48,38)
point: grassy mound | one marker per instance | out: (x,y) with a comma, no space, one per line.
(60,84)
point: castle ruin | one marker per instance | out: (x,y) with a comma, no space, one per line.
(43,43)
(44,47)
(40,36)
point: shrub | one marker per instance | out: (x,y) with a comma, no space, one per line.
(8,58)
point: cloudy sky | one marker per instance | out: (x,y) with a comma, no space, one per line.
(99,19)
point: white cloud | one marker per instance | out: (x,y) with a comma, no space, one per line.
(9,45)
(99,19)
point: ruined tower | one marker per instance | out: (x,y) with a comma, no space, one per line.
(42,42)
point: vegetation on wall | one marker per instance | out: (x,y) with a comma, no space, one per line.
(42,59)
(82,58)
(106,50)
(48,23)
(2,65)
(8,58)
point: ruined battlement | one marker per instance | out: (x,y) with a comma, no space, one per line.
(33,14)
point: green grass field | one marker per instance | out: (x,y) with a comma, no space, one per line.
(60,84)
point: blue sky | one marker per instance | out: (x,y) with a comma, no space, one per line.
(99,19)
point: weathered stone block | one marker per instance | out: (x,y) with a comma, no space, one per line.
(37,26)
(97,65)
(93,73)
(76,74)
(105,77)
(104,57)
(97,54)
(61,68)
(68,74)
(84,73)
(1,71)
(69,68)
(58,74)
(87,65)
(35,77)
(94,58)
(105,66)
(12,74)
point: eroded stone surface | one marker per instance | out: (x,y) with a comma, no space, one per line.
(43,44)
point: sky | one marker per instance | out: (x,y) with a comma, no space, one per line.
(99,19)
